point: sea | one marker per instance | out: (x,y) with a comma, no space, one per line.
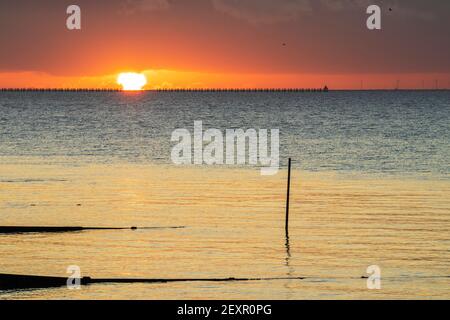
(370,186)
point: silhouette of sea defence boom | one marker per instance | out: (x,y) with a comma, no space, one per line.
(15,281)
(33,229)
(324,89)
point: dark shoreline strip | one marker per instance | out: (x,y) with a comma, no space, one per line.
(34,229)
(14,281)
(17,282)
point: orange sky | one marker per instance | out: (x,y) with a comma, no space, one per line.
(178,79)
(226,43)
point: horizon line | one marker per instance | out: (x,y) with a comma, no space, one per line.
(280,89)
(168,89)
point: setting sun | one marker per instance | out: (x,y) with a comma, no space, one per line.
(131,81)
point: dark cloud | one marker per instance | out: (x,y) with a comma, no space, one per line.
(264,11)
(135,6)
(270,11)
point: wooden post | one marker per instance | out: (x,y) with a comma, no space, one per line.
(287,196)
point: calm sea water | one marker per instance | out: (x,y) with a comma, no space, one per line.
(370,187)
(367,132)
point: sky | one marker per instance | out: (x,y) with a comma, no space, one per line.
(226,43)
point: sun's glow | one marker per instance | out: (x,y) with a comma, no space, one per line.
(131,81)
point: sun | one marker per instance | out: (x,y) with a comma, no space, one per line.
(131,81)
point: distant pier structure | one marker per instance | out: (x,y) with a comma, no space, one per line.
(324,89)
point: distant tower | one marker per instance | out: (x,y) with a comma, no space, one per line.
(325,89)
